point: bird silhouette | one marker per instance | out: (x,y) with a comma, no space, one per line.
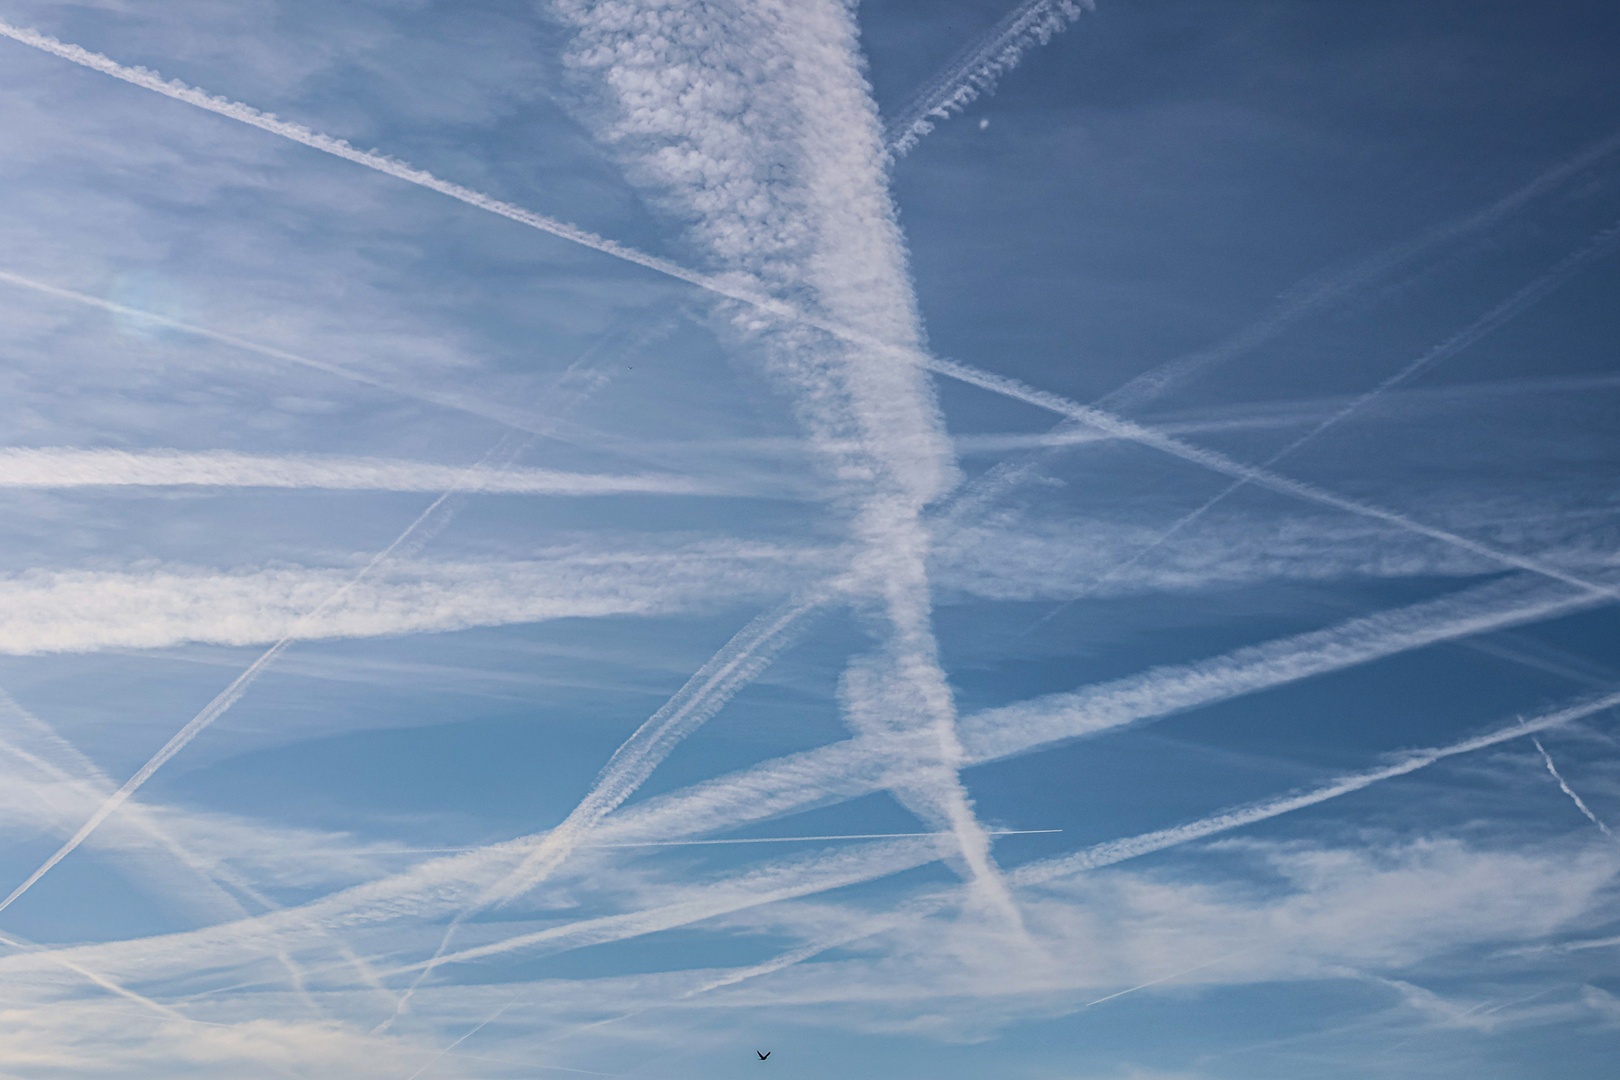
(763,1056)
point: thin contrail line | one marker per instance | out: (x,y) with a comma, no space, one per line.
(508,418)
(975,69)
(100,980)
(226,698)
(1114,851)
(247,114)
(475,1029)
(699,843)
(1603,243)
(994,383)
(1221,463)
(1158,981)
(1312,297)
(1580,804)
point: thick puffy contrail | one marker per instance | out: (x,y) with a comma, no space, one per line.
(1580,804)
(849,769)
(1115,851)
(826,234)
(998,384)
(62,467)
(853,768)
(229,696)
(976,69)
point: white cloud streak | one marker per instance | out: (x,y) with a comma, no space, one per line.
(1598,246)
(1115,851)
(60,467)
(892,339)
(1563,785)
(976,69)
(85,610)
(792,191)
(1260,477)
(771,884)
(424,522)
(855,767)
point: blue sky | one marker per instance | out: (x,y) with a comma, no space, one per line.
(933,539)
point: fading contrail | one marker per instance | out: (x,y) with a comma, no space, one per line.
(729,670)
(1313,297)
(1215,461)
(999,384)
(739,662)
(975,69)
(768,886)
(1580,804)
(1600,245)
(247,114)
(62,467)
(1114,851)
(849,769)
(100,980)
(228,697)
(507,417)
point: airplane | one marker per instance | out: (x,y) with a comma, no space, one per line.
(763,1056)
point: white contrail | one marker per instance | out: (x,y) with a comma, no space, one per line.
(95,784)
(847,770)
(1316,296)
(1601,244)
(782,882)
(227,697)
(100,980)
(837,81)
(1221,463)
(742,660)
(62,467)
(739,662)
(469,1033)
(1115,851)
(999,384)
(855,767)
(247,114)
(976,69)
(507,417)
(827,233)
(1580,804)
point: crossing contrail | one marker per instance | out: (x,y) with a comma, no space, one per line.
(999,384)
(231,694)
(1114,851)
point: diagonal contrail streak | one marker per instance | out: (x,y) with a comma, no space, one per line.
(1580,804)
(975,69)
(232,693)
(1313,296)
(1216,461)
(100,980)
(1114,851)
(744,293)
(1598,246)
